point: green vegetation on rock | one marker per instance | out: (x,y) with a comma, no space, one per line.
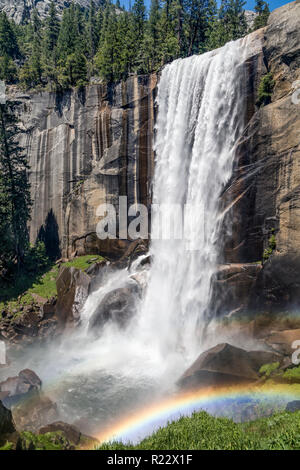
(267,369)
(28,289)
(265,90)
(271,247)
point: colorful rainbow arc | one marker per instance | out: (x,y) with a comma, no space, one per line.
(192,400)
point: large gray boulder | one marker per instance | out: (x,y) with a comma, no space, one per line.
(118,306)
(14,389)
(34,413)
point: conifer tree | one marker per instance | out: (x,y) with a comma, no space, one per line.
(15,199)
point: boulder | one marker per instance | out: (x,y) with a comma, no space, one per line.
(95,268)
(118,306)
(14,388)
(225,364)
(70,431)
(72,291)
(6,421)
(31,378)
(34,413)
(281,341)
(293,406)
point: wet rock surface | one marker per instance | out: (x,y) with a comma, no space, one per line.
(118,306)
(14,389)
(6,421)
(225,364)
(72,291)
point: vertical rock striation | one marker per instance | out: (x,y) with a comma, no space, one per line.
(265,189)
(86,148)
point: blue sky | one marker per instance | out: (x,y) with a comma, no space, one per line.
(272,4)
(249,4)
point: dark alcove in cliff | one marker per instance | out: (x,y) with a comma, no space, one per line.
(48,234)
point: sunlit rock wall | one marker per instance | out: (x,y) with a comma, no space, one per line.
(86,148)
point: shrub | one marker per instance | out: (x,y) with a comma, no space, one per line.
(267,369)
(265,90)
(271,247)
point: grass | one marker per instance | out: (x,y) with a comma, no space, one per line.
(204,432)
(292,375)
(29,289)
(267,369)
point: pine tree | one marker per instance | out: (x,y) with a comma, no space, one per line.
(31,73)
(263,12)
(51,30)
(92,31)
(15,199)
(8,41)
(109,55)
(49,52)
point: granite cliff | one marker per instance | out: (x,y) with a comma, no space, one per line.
(88,147)
(21,10)
(93,145)
(265,185)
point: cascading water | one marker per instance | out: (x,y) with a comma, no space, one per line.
(201,114)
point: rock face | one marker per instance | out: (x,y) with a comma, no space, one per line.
(6,421)
(293,406)
(36,323)
(265,187)
(34,413)
(118,306)
(14,389)
(87,148)
(72,291)
(21,10)
(225,364)
(71,432)
(233,285)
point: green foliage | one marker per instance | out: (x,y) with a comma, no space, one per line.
(36,259)
(292,375)
(48,441)
(204,432)
(268,369)
(265,89)
(271,247)
(112,42)
(39,279)
(15,201)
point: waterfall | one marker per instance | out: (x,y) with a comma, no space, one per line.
(201,114)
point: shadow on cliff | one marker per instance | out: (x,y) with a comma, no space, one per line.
(48,234)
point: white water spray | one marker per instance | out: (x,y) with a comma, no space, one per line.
(201,114)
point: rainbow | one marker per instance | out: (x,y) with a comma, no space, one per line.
(158,414)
